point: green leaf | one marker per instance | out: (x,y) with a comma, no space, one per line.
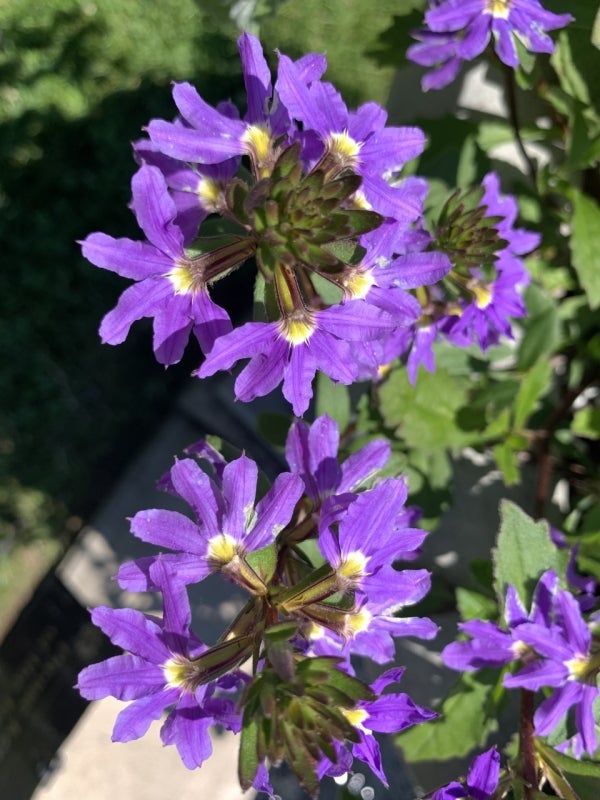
(542,328)
(584,244)
(506,459)
(586,423)
(596,30)
(468,716)
(581,777)
(424,415)
(475,605)
(534,385)
(273,427)
(333,399)
(523,552)
(248,757)
(391,46)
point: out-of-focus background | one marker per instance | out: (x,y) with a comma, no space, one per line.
(78,81)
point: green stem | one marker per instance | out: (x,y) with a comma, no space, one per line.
(511,99)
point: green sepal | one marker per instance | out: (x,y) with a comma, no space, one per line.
(263,562)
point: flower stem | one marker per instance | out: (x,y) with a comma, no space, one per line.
(526,745)
(511,99)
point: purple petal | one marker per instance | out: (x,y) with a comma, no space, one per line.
(275,510)
(155,211)
(177,614)
(134,720)
(172,330)
(131,630)
(137,260)
(243,342)
(554,708)
(483,775)
(143,299)
(191,145)
(298,377)
(538,674)
(168,529)
(239,492)
(392,713)
(263,373)
(257,77)
(504,43)
(187,728)
(361,466)
(198,491)
(124,677)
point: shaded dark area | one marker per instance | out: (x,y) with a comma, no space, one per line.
(51,642)
(71,409)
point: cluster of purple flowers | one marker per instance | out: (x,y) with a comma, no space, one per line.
(325,201)
(319,175)
(469,307)
(460,30)
(342,606)
(551,646)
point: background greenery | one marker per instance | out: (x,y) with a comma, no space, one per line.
(78,81)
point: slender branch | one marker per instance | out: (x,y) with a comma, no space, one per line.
(526,744)
(511,98)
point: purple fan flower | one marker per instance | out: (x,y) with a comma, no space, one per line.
(482,780)
(370,536)
(356,140)
(487,317)
(483,312)
(155,675)
(293,349)
(211,137)
(227,526)
(167,287)
(491,646)
(389,713)
(312,452)
(568,662)
(370,630)
(460,30)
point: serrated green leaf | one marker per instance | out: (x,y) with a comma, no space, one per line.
(518,539)
(424,415)
(467,718)
(584,244)
(533,385)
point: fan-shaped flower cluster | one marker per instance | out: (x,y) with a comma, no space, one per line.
(474,303)
(317,179)
(306,613)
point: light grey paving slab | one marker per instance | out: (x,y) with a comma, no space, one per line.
(91,767)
